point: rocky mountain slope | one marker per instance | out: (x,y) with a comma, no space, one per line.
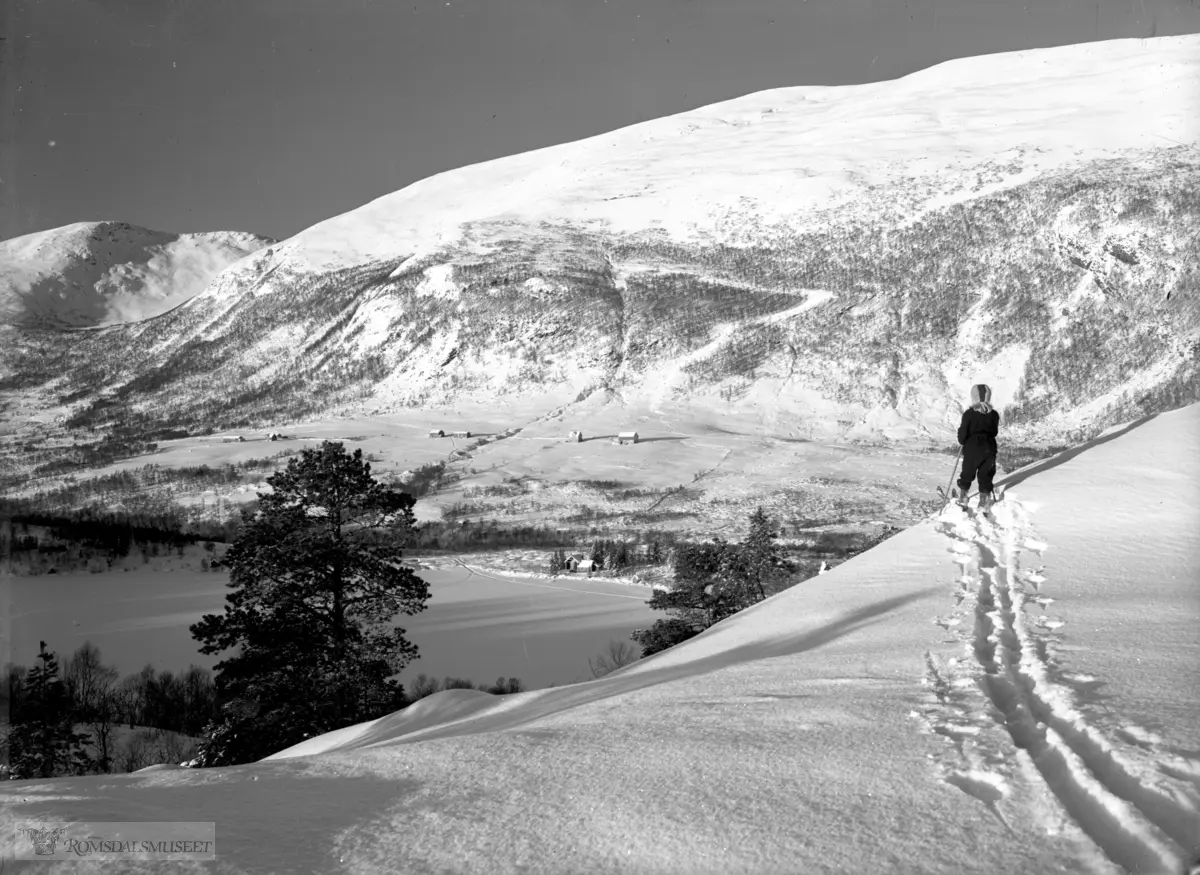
(108,273)
(845,261)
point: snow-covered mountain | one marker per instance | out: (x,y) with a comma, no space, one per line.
(780,159)
(107,273)
(844,261)
(1010,694)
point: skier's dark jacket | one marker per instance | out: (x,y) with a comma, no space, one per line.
(980,425)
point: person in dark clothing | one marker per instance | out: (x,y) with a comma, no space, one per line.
(977,436)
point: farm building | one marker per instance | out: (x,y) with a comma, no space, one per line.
(627,437)
(437,434)
(460,434)
(575,437)
(576,561)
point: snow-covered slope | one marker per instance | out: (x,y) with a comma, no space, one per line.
(106,273)
(1015,694)
(784,154)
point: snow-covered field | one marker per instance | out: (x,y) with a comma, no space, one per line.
(1007,694)
(730,462)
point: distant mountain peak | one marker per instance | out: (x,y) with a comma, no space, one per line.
(92,274)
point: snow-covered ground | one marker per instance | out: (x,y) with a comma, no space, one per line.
(1008,694)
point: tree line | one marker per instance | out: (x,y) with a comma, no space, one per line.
(64,719)
(610,554)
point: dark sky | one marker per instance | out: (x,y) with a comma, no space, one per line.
(271,115)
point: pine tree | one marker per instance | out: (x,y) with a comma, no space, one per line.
(663,634)
(597,556)
(621,555)
(760,561)
(698,595)
(316,584)
(43,742)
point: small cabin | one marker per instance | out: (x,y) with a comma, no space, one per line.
(460,434)
(437,434)
(573,561)
(586,565)
(274,436)
(575,437)
(627,437)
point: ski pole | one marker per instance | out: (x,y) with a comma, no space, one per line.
(952,473)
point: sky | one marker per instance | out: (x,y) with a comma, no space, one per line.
(269,116)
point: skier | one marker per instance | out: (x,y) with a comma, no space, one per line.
(977,436)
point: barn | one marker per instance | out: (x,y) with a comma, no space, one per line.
(575,562)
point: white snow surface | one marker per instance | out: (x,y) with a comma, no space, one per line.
(778,155)
(1015,693)
(93,274)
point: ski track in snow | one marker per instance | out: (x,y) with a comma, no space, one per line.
(1143,819)
(721,334)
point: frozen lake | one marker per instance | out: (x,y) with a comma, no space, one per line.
(476,625)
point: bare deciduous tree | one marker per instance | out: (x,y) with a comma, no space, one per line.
(87,679)
(619,654)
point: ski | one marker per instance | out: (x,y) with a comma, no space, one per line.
(997,495)
(949,499)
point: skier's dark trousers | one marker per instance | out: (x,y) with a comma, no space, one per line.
(977,435)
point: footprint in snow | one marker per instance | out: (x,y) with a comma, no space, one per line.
(984,786)
(1134,734)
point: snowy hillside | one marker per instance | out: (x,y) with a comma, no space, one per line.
(1011,694)
(106,273)
(947,134)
